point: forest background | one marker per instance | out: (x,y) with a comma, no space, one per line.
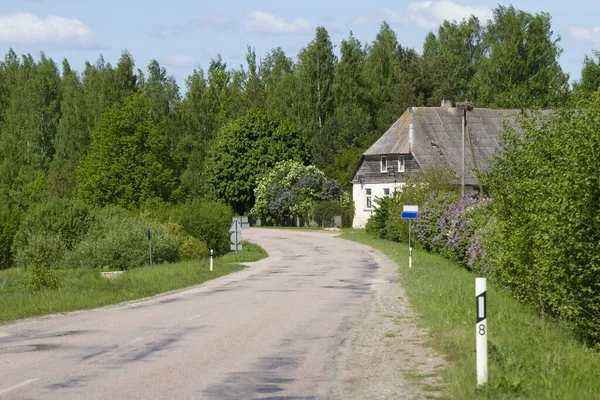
(59,128)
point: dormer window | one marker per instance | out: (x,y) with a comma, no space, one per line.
(383,164)
(400,163)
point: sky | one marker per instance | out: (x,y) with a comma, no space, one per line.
(186,35)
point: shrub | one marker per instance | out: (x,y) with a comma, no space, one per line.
(454,226)
(193,249)
(546,204)
(416,190)
(207,221)
(428,231)
(348,205)
(332,191)
(118,240)
(9,225)
(291,190)
(376,224)
(326,211)
(46,249)
(458,225)
(41,277)
(64,220)
(42,248)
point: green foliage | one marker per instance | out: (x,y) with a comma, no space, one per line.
(386,221)
(390,72)
(62,220)
(376,225)
(450,59)
(118,240)
(206,108)
(129,160)
(207,221)
(316,71)
(10,219)
(325,212)
(291,190)
(246,149)
(590,77)
(82,289)
(518,66)
(327,112)
(428,230)
(41,250)
(73,138)
(349,208)
(544,243)
(193,249)
(29,124)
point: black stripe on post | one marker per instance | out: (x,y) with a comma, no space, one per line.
(481,307)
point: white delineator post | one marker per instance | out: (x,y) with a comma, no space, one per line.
(481,331)
(409,244)
(211,260)
(410,213)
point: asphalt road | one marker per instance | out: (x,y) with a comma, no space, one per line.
(272,331)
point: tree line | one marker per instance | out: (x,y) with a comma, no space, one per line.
(49,116)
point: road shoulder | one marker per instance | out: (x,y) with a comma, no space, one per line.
(384,354)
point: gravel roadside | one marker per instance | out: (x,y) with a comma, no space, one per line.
(385,356)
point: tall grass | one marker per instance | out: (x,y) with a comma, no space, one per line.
(85,288)
(529,358)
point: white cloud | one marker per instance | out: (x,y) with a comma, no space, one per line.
(588,35)
(28,29)
(427,14)
(180,60)
(265,22)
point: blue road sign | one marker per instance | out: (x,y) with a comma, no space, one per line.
(409,215)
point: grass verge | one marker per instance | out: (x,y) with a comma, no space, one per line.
(529,358)
(85,289)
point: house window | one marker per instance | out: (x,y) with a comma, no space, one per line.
(383,164)
(386,191)
(368,199)
(400,163)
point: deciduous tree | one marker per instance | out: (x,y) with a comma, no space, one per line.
(129,159)
(246,149)
(519,64)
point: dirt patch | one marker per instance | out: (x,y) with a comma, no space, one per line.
(384,355)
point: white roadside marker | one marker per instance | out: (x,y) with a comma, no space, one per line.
(481,331)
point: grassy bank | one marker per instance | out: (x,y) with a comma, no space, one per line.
(84,289)
(529,358)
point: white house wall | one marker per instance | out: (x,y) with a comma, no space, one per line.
(362,213)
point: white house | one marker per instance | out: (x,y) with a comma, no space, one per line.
(424,138)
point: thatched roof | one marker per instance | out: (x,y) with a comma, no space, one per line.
(437,137)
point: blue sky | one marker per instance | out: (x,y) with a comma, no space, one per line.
(183,35)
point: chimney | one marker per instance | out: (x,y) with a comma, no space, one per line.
(446,102)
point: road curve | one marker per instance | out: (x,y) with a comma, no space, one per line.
(276,330)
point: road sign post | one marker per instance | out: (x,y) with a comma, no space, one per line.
(211,260)
(481,331)
(237,225)
(410,213)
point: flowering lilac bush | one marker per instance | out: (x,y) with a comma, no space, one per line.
(454,227)
(332,191)
(428,229)
(291,190)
